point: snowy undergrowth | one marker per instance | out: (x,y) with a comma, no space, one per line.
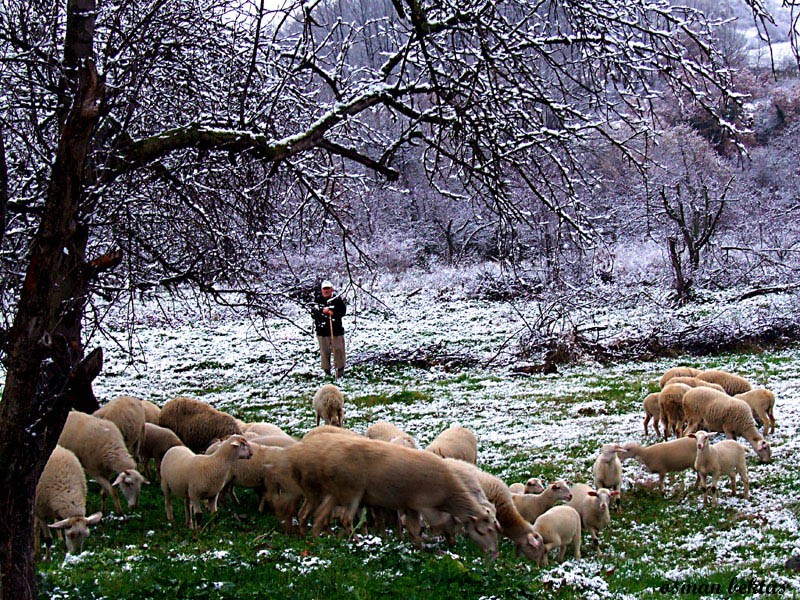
(548,426)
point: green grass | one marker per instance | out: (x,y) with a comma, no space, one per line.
(242,554)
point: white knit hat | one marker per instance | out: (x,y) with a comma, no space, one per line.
(326,284)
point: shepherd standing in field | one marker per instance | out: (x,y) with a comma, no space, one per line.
(328,312)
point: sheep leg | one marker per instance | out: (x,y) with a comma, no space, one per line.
(576,545)
(703,487)
(665,426)
(317,419)
(771,419)
(350,513)
(715,487)
(646,421)
(212,504)
(168,503)
(742,469)
(107,489)
(197,512)
(187,512)
(655,426)
(562,552)
(595,540)
(413,524)
(322,515)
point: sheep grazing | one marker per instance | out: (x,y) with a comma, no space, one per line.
(517,488)
(559,527)
(512,524)
(694,382)
(456,442)
(678,372)
(345,471)
(530,506)
(670,405)
(719,412)
(663,458)
(732,384)
(99,446)
(197,477)
(197,423)
(723,458)
(652,411)
(607,471)
(61,495)
(157,440)
(592,506)
(152,413)
(387,432)
(762,403)
(127,413)
(328,405)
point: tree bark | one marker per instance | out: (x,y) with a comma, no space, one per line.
(46,373)
(682,285)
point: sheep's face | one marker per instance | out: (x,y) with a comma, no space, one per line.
(628,450)
(602,498)
(483,530)
(561,490)
(763,450)
(242,446)
(130,484)
(534,485)
(702,438)
(532,546)
(76,530)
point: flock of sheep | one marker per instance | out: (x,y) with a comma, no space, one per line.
(381,479)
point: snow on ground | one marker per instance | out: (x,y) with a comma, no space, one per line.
(524,424)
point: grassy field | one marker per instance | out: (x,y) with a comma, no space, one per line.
(547,426)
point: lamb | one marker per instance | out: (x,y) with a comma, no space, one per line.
(670,405)
(723,458)
(530,506)
(157,440)
(762,403)
(61,495)
(127,413)
(678,372)
(263,429)
(663,458)
(652,411)
(253,473)
(534,485)
(456,442)
(151,412)
(512,524)
(197,423)
(387,432)
(99,446)
(592,506)
(720,412)
(732,384)
(559,527)
(196,477)
(328,405)
(607,471)
(346,470)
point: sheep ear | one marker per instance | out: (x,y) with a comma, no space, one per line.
(591,493)
(120,478)
(235,444)
(614,493)
(95,518)
(60,524)
(691,435)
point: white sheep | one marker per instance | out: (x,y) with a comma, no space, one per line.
(607,471)
(530,506)
(152,413)
(723,458)
(652,411)
(197,477)
(127,413)
(263,429)
(762,403)
(663,458)
(670,405)
(559,527)
(534,485)
(678,372)
(157,440)
(99,446)
(388,432)
(592,506)
(328,405)
(717,411)
(732,384)
(456,442)
(61,495)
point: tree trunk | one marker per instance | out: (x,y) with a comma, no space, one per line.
(682,285)
(46,375)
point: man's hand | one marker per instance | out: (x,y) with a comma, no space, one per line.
(327,311)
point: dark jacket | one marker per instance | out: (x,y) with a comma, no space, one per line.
(321,321)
